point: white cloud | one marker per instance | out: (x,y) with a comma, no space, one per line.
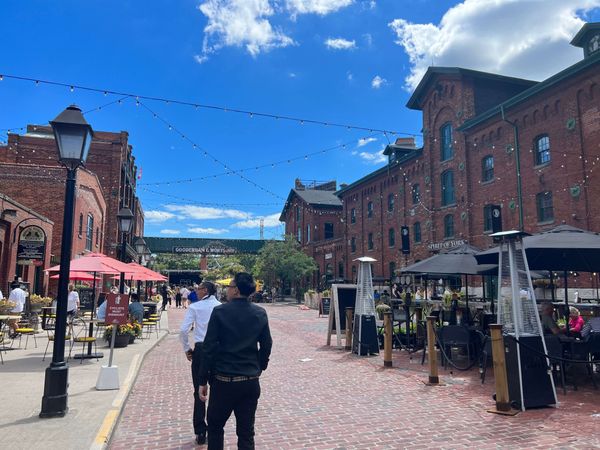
(203,212)
(365,141)
(240,23)
(496,36)
(340,44)
(199,230)
(368,37)
(269,221)
(292,75)
(377,82)
(373,158)
(349,76)
(157,216)
(321,7)
(170,232)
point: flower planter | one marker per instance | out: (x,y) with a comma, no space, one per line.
(121,340)
(131,338)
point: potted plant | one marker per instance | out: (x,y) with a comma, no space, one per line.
(6,306)
(37,302)
(124,333)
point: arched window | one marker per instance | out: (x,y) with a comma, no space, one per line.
(448,226)
(448,188)
(390,203)
(89,233)
(487,168)
(446,151)
(417,232)
(370,209)
(392,237)
(542,149)
(370,241)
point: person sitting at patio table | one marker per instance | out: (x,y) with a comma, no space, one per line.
(136,311)
(576,322)
(549,325)
(101,313)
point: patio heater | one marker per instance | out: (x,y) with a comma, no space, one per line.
(364,332)
(530,382)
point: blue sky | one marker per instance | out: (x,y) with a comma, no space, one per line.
(351,62)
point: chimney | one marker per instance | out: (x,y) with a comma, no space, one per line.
(298,185)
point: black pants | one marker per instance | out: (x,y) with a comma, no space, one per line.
(239,397)
(199,406)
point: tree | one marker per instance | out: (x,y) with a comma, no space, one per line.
(176,262)
(281,261)
(224,267)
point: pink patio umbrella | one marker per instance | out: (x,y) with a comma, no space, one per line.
(80,276)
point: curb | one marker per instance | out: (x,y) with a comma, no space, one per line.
(104,435)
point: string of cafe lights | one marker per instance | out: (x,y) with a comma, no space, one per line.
(249,113)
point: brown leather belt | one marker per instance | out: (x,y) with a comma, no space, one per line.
(227,379)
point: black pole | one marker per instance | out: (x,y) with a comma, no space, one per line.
(122,276)
(54,401)
(567,302)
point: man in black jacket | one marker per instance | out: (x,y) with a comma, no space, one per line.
(233,362)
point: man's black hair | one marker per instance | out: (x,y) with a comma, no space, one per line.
(211,289)
(245,283)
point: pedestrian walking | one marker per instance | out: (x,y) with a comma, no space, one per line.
(177,298)
(233,364)
(197,316)
(164,292)
(19,297)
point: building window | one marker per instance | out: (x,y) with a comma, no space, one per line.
(354,273)
(542,150)
(80,230)
(370,241)
(448,188)
(487,218)
(545,210)
(446,151)
(416,193)
(487,168)
(299,234)
(370,210)
(89,233)
(307,233)
(353,215)
(392,237)
(328,230)
(392,269)
(417,232)
(297,214)
(97,236)
(448,226)
(353,245)
(390,202)
(341,270)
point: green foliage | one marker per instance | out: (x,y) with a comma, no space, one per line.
(281,261)
(165,261)
(227,266)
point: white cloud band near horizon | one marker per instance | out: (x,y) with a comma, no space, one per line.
(201,230)
(340,44)
(170,232)
(205,213)
(269,221)
(496,36)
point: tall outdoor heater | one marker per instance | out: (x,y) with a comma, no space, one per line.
(125,222)
(530,382)
(364,332)
(73,137)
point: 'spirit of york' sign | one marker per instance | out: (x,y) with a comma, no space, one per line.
(446,244)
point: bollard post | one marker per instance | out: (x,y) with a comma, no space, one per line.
(387,339)
(434,379)
(502,398)
(418,313)
(349,319)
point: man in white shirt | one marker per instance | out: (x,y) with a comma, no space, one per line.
(19,296)
(198,315)
(72,301)
(184,296)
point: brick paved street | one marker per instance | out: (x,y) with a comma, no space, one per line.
(333,400)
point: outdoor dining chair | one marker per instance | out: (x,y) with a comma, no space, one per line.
(79,329)
(25,328)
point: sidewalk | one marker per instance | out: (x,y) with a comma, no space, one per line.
(22,387)
(319,397)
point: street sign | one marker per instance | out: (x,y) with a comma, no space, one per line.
(117,308)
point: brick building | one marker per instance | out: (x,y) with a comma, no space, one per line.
(479,130)
(14,219)
(110,161)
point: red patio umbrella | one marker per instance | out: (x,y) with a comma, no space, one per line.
(76,275)
(96,262)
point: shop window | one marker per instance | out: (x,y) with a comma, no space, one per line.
(542,150)
(446,151)
(328,230)
(448,226)
(545,209)
(416,194)
(448,188)
(487,168)
(417,232)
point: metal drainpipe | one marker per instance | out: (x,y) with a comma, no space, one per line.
(518,166)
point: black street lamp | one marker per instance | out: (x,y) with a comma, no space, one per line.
(140,248)
(73,137)
(125,222)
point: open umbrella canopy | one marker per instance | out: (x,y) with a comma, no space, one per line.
(96,262)
(457,261)
(144,274)
(80,276)
(561,248)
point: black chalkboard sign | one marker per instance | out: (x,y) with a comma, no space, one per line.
(344,296)
(86,299)
(324,306)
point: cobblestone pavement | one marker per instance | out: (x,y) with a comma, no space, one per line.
(318,397)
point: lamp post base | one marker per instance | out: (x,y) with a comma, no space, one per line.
(54,401)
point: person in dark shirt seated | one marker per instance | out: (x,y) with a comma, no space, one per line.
(236,350)
(136,311)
